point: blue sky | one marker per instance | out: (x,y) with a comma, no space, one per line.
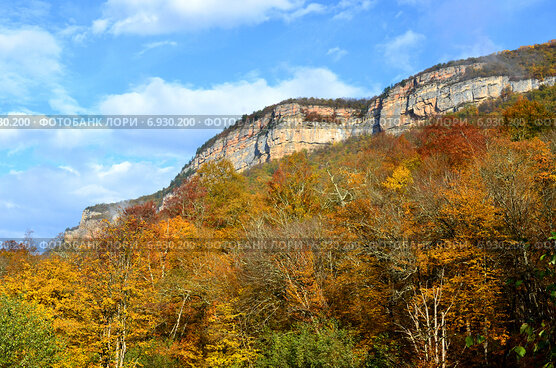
(202,57)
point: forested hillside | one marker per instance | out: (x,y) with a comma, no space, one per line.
(434,248)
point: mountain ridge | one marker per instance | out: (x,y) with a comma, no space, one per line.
(297,124)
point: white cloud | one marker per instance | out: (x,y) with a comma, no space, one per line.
(31,67)
(77,34)
(116,169)
(158,96)
(69,169)
(25,12)
(336,53)
(94,191)
(166,16)
(347,9)
(153,45)
(311,8)
(401,51)
(100,25)
(28,58)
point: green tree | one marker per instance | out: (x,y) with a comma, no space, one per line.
(538,341)
(26,337)
(310,345)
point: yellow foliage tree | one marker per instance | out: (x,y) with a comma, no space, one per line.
(228,346)
(399,180)
(59,286)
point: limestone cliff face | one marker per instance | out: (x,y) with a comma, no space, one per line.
(441,92)
(91,220)
(281,132)
(291,127)
(285,130)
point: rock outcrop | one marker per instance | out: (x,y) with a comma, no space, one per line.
(285,130)
(424,96)
(279,133)
(91,220)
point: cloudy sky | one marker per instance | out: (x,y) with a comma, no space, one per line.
(202,57)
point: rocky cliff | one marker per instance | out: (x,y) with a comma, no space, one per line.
(92,218)
(291,126)
(285,128)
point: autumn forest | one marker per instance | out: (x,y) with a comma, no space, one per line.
(434,248)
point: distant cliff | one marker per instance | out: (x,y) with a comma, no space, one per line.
(285,128)
(300,124)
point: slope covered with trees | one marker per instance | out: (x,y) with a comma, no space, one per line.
(430,249)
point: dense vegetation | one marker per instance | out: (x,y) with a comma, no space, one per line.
(431,249)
